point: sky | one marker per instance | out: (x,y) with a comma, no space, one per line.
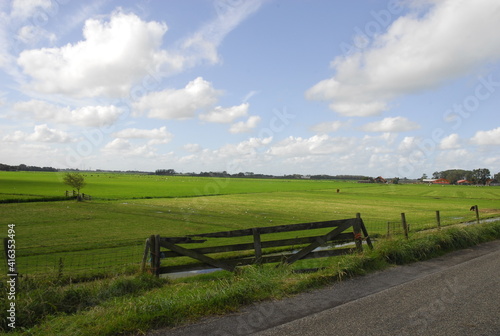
(366,87)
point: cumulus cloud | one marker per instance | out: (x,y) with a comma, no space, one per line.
(452,141)
(124,148)
(198,94)
(192,148)
(41,133)
(31,34)
(88,116)
(245,126)
(111,58)
(329,126)
(418,52)
(156,135)
(393,125)
(484,138)
(315,145)
(226,115)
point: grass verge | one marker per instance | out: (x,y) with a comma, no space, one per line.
(136,304)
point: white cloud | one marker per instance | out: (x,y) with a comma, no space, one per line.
(245,126)
(23,9)
(226,115)
(124,148)
(452,141)
(192,148)
(179,104)
(111,58)
(407,144)
(156,135)
(41,133)
(31,34)
(395,124)
(329,126)
(88,116)
(315,145)
(202,45)
(484,138)
(416,53)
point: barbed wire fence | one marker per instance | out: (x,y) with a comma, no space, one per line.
(125,257)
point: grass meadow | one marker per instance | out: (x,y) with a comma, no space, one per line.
(108,233)
(60,243)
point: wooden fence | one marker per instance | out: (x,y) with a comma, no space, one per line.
(74,194)
(344,230)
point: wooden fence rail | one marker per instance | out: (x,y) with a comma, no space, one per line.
(345,230)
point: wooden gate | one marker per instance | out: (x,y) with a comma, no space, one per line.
(344,230)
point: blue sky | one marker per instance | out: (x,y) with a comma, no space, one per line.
(391,88)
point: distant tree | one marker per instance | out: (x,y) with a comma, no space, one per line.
(496,177)
(481,175)
(75,180)
(424,176)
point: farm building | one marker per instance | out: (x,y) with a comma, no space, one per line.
(464,182)
(441,181)
(436,181)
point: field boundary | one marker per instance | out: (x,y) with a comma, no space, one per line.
(300,247)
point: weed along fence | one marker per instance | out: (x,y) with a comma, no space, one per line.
(259,248)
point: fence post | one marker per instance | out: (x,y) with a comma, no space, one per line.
(152,253)
(438,219)
(257,245)
(365,231)
(358,238)
(405,225)
(145,255)
(157,253)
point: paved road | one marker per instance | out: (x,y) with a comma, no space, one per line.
(457,294)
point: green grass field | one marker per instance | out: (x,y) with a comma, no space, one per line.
(109,232)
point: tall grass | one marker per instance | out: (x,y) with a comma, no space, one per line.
(133,305)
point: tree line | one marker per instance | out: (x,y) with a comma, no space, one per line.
(23,167)
(475,176)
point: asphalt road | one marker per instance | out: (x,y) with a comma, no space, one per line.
(457,294)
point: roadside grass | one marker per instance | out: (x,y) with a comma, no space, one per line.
(128,305)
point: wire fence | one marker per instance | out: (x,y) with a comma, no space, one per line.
(125,257)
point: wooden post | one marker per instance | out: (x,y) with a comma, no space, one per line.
(438,219)
(365,231)
(157,253)
(405,225)
(358,238)
(477,214)
(145,255)
(257,245)
(152,256)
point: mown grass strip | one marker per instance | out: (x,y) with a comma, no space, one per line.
(88,311)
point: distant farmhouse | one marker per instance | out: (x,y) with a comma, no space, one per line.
(436,181)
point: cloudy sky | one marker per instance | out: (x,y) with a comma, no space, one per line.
(372,87)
